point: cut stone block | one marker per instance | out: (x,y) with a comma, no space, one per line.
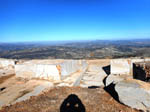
(6,63)
(47,71)
(121,66)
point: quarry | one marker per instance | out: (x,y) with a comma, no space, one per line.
(120,85)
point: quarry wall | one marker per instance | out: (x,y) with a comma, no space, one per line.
(37,71)
(48,71)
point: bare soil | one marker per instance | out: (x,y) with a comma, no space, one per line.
(94,100)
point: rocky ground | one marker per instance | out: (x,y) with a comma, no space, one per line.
(94,88)
(94,100)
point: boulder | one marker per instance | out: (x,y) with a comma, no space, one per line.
(134,93)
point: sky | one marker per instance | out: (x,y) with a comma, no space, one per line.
(61,20)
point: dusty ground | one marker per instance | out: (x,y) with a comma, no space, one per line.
(13,88)
(94,100)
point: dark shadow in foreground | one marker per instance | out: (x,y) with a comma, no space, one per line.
(72,104)
(111,90)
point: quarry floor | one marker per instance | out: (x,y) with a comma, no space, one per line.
(94,100)
(36,95)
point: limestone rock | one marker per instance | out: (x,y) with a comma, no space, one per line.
(134,93)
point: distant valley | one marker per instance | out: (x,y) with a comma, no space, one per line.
(95,49)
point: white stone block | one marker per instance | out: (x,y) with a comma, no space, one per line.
(121,66)
(47,71)
(37,71)
(6,63)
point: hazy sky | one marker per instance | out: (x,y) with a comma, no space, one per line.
(35,20)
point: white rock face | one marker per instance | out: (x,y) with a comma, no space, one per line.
(84,69)
(121,66)
(6,63)
(68,67)
(37,71)
(84,65)
(47,71)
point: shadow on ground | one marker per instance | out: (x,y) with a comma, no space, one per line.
(107,71)
(139,73)
(110,88)
(72,104)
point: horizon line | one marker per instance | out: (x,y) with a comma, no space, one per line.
(34,41)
